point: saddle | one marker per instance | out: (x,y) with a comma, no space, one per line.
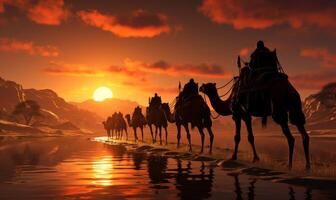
(252,91)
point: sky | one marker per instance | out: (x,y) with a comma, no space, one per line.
(139,47)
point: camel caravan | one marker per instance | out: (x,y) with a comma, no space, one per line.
(261,89)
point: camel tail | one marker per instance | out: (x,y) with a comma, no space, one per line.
(264,121)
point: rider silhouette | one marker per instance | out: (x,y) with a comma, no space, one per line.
(190,89)
(263,59)
(156,100)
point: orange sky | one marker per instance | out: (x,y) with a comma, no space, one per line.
(138,47)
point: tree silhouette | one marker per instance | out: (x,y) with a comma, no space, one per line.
(28,109)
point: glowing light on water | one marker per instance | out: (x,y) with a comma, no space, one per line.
(102,171)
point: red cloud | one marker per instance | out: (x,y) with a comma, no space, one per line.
(145,86)
(124,70)
(315,80)
(59,68)
(260,14)
(13,45)
(245,51)
(163,67)
(139,24)
(48,12)
(327,59)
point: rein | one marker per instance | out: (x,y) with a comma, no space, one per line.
(218,115)
(225,84)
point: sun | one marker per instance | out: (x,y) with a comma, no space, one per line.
(102,93)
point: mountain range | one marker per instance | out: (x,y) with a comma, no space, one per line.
(320,108)
(55,108)
(108,106)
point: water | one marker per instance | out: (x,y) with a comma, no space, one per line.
(77,168)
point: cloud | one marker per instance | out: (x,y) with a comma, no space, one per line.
(47,12)
(313,80)
(245,51)
(163,67)
(145,86)
(13,45)
(327,59)
(260,14)
(140,23)
(64,69)
(124,70)
(139,70)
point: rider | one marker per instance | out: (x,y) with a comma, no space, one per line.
(190,88)
(262,58)
(156,100)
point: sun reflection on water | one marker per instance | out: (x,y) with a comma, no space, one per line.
(102,171)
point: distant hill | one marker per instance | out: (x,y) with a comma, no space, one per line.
(320,108)
(108,107)
(54,106)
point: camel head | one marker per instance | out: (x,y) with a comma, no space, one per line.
(165,106)
(208,88)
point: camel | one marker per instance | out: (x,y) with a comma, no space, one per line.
(150,122)
(137,121)
(155,115)
(194,111)
(108,127)
(286,102)
(115,125)
(120,126)
(115,131)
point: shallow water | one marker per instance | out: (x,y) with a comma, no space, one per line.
(77,168)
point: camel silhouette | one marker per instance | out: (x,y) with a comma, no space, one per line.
(155,115)
(115,125)
(137,121)
(194,111)
(120,126)
(285,101)
(108,127)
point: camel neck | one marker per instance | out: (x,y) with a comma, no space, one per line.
(221,107)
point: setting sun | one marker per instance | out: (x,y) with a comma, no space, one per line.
(102,93)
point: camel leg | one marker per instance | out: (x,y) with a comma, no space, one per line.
(135,134)
(126,134)
(291,141)
(305,141)
(178,126)
(250,137)
(108,134)
(156,130)
(200,129)
(211,135)
(151,131)
(236,138)
(188,135)
(165,128)
(142,135)
(160,132)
